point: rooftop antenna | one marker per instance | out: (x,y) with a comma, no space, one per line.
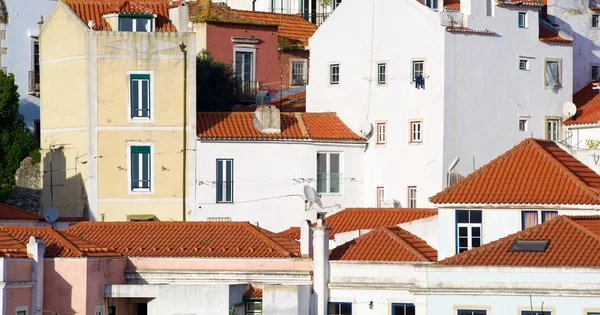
(569,109)
(366,129)
(311,197)
(51,214)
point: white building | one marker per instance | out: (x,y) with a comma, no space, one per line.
(254,166)
(315,11)
(20,51)
(533,182)
(492,74)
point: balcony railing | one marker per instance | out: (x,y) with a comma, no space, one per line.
(246,91)
(316,18)
(34,83)
(329,183)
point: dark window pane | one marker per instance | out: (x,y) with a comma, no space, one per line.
(463,242)
(476,231)
(475,216)
(410,310)
(463,231)
(462,250)
(135,98)
(125,24)
(476,242)
(346,309)
(462,216)
(142,25)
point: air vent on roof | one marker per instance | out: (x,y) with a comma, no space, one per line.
(522,246)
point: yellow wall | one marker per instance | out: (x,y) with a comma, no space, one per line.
(200,30)
(119,211)
(65,35)
(63,94)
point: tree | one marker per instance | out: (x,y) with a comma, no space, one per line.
(16,140)
(215,85)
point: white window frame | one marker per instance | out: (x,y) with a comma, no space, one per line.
(469,227)
(523,64)
(151,99)
(382,73)
(248,312)
(151,21)
(413,62)
(412,198)
(304,71)
(224,175)
(99,310)
(248,49)
(22,309)
(331,66)
(524,15)
(547,131)
(381,133)
(416,136)
(523,127)
(380,196)
(328,172)
(140,191)
(597,21)
(559,74)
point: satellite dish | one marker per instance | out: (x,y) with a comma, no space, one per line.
(51,214)
(366,129)
(453,164)
(310,193)
(569,110)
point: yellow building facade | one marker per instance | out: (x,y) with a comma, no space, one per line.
(116,129)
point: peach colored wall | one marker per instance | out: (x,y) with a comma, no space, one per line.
(285,64)
(297,264)
(64,285)
(18,270)
(101,272)
(17,297)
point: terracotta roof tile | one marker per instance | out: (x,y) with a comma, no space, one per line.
(295,103)
(452,5)
(208,12)
(94,10)
(253,293)
(595,8)
(546,34)
(466,30)
(352,219)
(521,3)
(533,172)
(11,213)
(291,233)
(385,244)
(239,125)
(573,242)
(186,239)
(14,239)
(292,27)
(588,106)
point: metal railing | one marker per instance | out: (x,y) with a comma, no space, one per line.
(329,183)
(246,91)
(34,83)
(316,18)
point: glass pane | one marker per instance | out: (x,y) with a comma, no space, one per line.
(479,313)
(146,170)
(142,25)
(135,89)
(476,231)
(247,66)
(135,170)
(463,242)
(239,64)
(334,183)
(125,24)
(334,163)
(346,309)
(321,163)
(475,216)
(145,95)
(462,216)
(410,310)
(229,179)
(547,215)
(475,242)
(253,306)
(332,309)
(219,180)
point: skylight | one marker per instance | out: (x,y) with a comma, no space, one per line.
(527,246)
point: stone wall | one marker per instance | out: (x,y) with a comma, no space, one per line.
(27,190)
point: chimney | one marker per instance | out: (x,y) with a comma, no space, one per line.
(41,22)
(267,119)
(321,265)
(180,17)
(36,250)
(306,239)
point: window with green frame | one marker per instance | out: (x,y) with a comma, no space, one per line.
(140,96)
(135,22)
(141,168)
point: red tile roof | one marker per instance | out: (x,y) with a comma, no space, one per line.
(466,30)
(11,213)
(291,233)
(253,293)
(574,242)
(588,106)
(292,27)
(548,35)
(186,239)
(533,172)
(94,10)
(14,239)
(385,244)
(595,8)
(521,3)
(205,11)
(352,219)
(452,5)
(239,125)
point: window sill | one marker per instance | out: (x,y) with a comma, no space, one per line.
(224,202)
(380,144)
(415,142)
(139,191)
(330,194)
(524,69)
(141,119)
(334,84)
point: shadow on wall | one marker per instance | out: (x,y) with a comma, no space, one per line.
(67,193)
(30,111)
(57,300)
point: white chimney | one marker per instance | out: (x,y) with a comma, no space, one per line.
(321,265)
(180,17)
(267,119)
(306,239)
(37,250)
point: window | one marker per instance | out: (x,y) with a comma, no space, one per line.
(112,310)
(99,310)
(34,73)
(418,67)
(328,173)
(522,19)
(337,308)
(552,131)
(380,196)
(595,21)
(552,78)
(468,230)
(135,23)
(141,168)
(431,3)
(336,4)
(412,196)
(594,73)
(381,133)
(471,312)
(23,313)
(522,124)
(536,313)
(529,246)
(224,180)
(523,64)
(403,309)
(529,218)
(253,307)
(298,73)
(334,74)
(381,73)
(140,96)
(415,131)
(244,65)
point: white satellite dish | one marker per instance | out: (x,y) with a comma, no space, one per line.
(366,129)
(569,109)
(453,164)
(51,214)
(310,193)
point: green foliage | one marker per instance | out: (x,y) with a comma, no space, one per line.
(215,85)
(36,156)
(592,143)
(16,140)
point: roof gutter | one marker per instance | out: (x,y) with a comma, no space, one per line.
(519,206)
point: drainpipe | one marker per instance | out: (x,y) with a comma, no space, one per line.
(182,47)
(321,264)
(253,5)
(37,250)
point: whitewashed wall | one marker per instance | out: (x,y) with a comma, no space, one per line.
(496,223)
(264,174)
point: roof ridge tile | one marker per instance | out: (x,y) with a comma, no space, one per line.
(266,238)
(405,244)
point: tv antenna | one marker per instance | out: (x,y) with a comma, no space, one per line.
(366,129)
(311,197)
(569,109)
(51,214)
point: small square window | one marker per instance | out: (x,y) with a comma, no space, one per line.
(522,124)
(381,133)
(418,67)
(380,196)
(595,21)
(415,131)
(522,19)
(552,129)
(298,73)
(381,73)
(552,74)
(523,64)
(334,74)
(595,73)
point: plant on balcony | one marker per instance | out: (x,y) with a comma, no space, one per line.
(215,85)
(16,140)
(592,143)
